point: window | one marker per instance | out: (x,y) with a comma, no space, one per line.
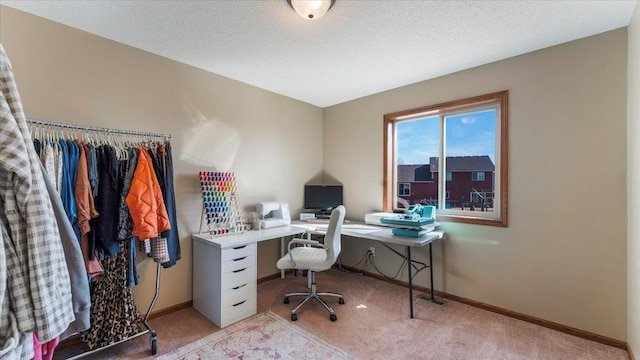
(404,189)
(477,176)
(470,135)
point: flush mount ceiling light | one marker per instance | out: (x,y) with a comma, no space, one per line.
(311,9)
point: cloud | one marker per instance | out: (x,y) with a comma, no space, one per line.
(468,120)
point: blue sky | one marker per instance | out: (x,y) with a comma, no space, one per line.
(467,134)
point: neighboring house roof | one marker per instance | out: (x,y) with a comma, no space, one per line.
(422,172)
(465,163)
(411,173)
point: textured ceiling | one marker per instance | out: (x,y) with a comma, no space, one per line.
(358,48)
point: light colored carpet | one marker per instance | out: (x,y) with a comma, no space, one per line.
(374,324)
(262,336)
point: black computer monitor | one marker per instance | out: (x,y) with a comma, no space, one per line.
(322,198)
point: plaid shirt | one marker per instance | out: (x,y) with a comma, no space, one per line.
(35,276)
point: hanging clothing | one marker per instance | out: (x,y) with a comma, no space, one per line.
(163,166)
(86,211)
(43,351)
(92,166)
(14,343)
(114,315)
(42,300)
(172,236)
(48,159)
(129,188)
(57,162)
(107,201)
(37,146)
(80,297)
(125,223)
(84,198)
(68,181)
(145,200)
(159,246)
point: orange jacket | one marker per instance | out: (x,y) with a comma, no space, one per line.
(145,201)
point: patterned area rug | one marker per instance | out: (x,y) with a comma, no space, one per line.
(263,336)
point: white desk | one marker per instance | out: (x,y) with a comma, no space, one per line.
(250,236)
(385,236)
(225,272)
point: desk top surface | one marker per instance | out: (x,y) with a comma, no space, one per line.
(352,229)
(250,236)
(372,232)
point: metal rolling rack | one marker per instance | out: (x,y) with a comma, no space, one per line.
(153,335)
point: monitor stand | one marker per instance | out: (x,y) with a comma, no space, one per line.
(323,214)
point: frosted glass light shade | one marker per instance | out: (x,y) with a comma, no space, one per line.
(311,9)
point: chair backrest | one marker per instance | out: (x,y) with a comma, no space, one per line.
(332,237)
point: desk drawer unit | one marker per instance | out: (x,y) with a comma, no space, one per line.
(239,311)
(224,281)
(236,265)
(238,294)
(237,252)
(238,277)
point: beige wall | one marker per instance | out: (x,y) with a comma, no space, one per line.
(563,256)
(633,178)
(74,77)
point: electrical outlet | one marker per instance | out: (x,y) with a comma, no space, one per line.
(372,251)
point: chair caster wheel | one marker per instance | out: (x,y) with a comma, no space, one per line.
(154,345)
(286,300)
(333,317)
(340,300)
(294,317)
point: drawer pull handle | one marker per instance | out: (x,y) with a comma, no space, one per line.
(240,303)
(239,247)
(238,287)
(237,271)
(238,259)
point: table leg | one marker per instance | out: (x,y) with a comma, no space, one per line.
(281,255)
(431,272)
(433,299)
(410,281)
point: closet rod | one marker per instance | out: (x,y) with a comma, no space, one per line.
(94,128)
